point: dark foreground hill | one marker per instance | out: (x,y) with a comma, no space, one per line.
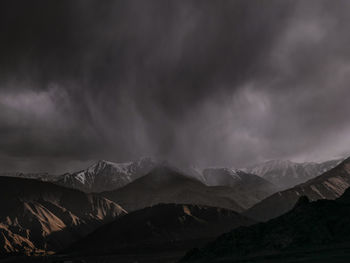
(165,227)
(310,228)
(39,217)
(329,185)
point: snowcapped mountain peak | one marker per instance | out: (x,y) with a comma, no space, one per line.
(105,175)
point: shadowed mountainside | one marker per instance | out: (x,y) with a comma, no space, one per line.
(159,228)
(166,185)
(309,225)
(251,188)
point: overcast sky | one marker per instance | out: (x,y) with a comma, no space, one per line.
(224,83)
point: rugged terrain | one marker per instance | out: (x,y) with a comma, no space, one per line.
(329,185)
(37,216)
(309,226)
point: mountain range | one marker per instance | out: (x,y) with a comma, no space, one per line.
(149,205)
(106,176)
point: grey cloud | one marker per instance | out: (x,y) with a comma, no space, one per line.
(209,82)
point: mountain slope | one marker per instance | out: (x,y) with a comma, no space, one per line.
(321,225)
(37,216)
(329,185)
(167,185)
(159,228)
(105,175)
(286,174)
(251,187)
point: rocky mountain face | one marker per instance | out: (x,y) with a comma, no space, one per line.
(286,174)
(250,187)
(161,227)
(168,185)
(39,217)
(105,175)
(329,185)
(322,225)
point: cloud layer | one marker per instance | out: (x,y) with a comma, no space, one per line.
(209,82)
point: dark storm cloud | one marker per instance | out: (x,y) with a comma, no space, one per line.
(207,82)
